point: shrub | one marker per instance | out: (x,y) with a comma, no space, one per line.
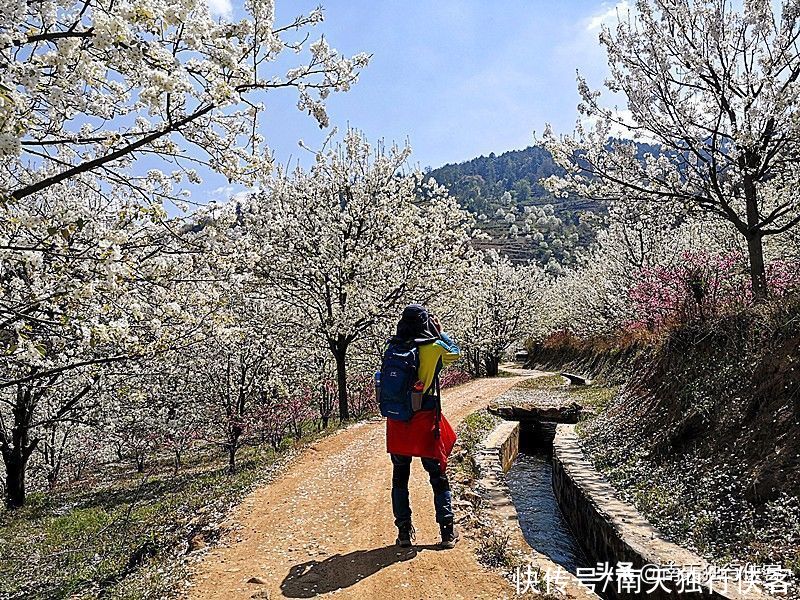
(700,287)
(361,396)
(453,377)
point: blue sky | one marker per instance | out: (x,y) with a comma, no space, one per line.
(455,78)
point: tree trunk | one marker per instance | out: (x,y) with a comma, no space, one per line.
(474,362)
(18,449)
(52,478)
(178,461)
(758,274)
(339,353)
(492,364)
(232,459)
(15,480)
(325,405)
(755,246)
(235,432)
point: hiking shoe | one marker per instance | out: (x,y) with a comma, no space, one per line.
(405,534)
(449,535)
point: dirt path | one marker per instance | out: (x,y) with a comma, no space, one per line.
(326,527)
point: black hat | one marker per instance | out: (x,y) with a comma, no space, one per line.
(415,326)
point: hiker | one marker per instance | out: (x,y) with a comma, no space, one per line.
(410,398)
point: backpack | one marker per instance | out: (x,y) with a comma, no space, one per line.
(398,376)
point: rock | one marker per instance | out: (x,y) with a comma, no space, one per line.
(504,412)
(577,379)
(257,581)
(197,542)
(472,497)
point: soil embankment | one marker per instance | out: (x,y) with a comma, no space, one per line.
(704,437)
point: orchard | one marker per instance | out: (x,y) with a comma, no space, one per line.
(146,329)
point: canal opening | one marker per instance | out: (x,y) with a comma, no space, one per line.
(530,480)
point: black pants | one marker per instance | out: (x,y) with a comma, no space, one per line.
(401,506)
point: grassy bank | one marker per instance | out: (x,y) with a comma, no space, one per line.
(133,535)
(493,544)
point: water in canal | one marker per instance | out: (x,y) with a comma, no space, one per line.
(530,480)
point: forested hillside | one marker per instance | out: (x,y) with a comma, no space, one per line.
(481,182)
(520,216)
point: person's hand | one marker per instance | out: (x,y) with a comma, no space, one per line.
(436,323)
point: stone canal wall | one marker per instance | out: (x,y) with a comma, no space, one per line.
(494,458)
(504,440)
(613,531)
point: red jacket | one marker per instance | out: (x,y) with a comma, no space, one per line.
(417,437)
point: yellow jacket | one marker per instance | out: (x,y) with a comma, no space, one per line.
(432,357)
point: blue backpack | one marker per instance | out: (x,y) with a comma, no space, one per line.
(398,376)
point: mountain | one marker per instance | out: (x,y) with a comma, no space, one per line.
(505,192)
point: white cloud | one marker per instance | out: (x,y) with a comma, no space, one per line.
(624,127)
(609,15)
(243,195)
(231,193)
(223,192)
(222,8)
